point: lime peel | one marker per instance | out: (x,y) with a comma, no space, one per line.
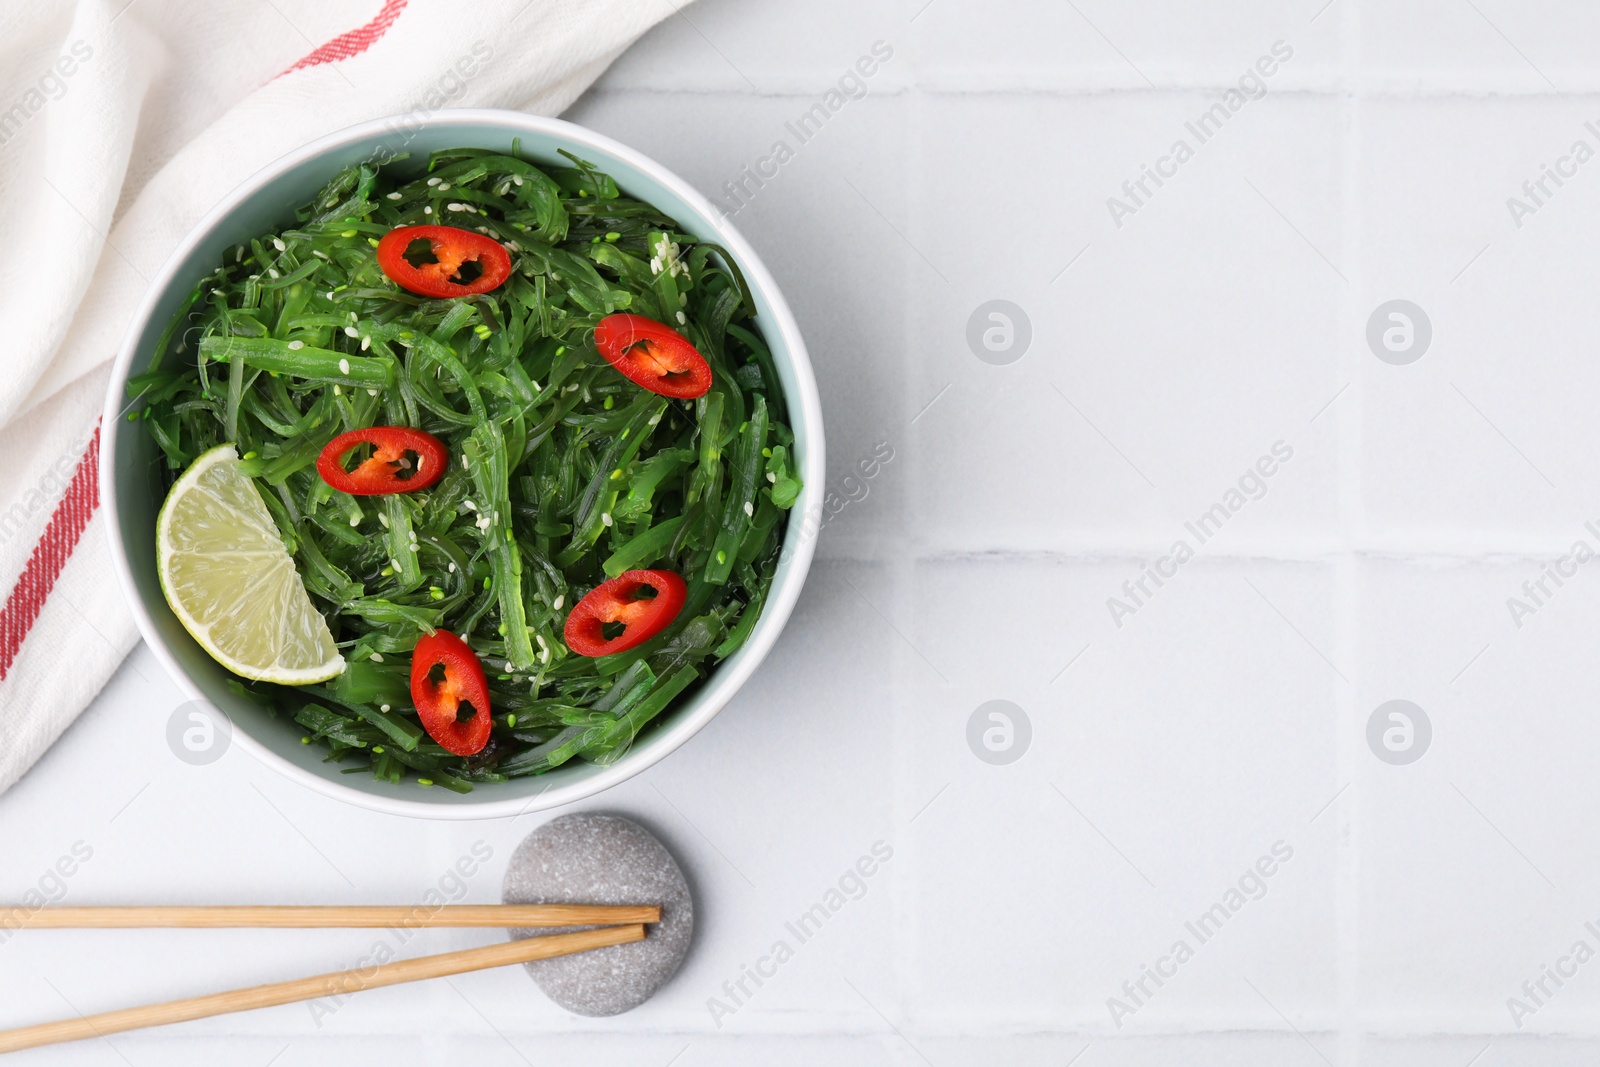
(231,582)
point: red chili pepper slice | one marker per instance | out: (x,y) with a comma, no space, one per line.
(446,677)
(653,355)
(390,468)
(448,262)
(618,602)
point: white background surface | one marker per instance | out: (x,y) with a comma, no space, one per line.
(1168,753)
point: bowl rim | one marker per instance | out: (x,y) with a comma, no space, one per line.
(803,402)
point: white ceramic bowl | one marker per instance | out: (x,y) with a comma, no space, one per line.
(131,481)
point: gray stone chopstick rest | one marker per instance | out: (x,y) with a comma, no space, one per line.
(603,859)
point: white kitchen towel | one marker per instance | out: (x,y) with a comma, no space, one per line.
(121,123)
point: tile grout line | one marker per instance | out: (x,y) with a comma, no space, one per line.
(1347,720)
(905,952)
(1137,545)
(1333,87)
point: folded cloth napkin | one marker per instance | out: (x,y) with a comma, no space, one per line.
(121,123)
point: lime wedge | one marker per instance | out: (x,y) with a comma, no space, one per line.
(232,583)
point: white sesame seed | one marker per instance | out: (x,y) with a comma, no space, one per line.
(428,210)
(277,242)
(295,346)
(344,366)
(683,319)
(455,207)
(509,667)
(655,265)
(544,656)
(749,509)
(272,272)
(337,391)
(384,519)
(351,331)
(377,657)
(452,567)
(433,181)
(355,520)
(540,638)
(383,707)
(773,478)
(516,179)
(366,343)
(605,519)
(372,392)
(484,522)
(464,463)
(560,600)
(392,196)
(394,563)
(413,546)
(467,503)
(444,186)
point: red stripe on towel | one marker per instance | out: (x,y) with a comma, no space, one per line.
(356,41)
(50,555)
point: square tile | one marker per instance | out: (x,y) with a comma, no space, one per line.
(1496,399)
(1113,426)
(1102,44)
(1514,48)
(1474,868)
(1131,804)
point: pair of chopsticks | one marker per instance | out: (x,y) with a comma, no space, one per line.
(618,926)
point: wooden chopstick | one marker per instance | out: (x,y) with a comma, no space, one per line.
(298,917)
(326,985)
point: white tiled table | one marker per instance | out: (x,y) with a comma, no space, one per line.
(1224,715)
